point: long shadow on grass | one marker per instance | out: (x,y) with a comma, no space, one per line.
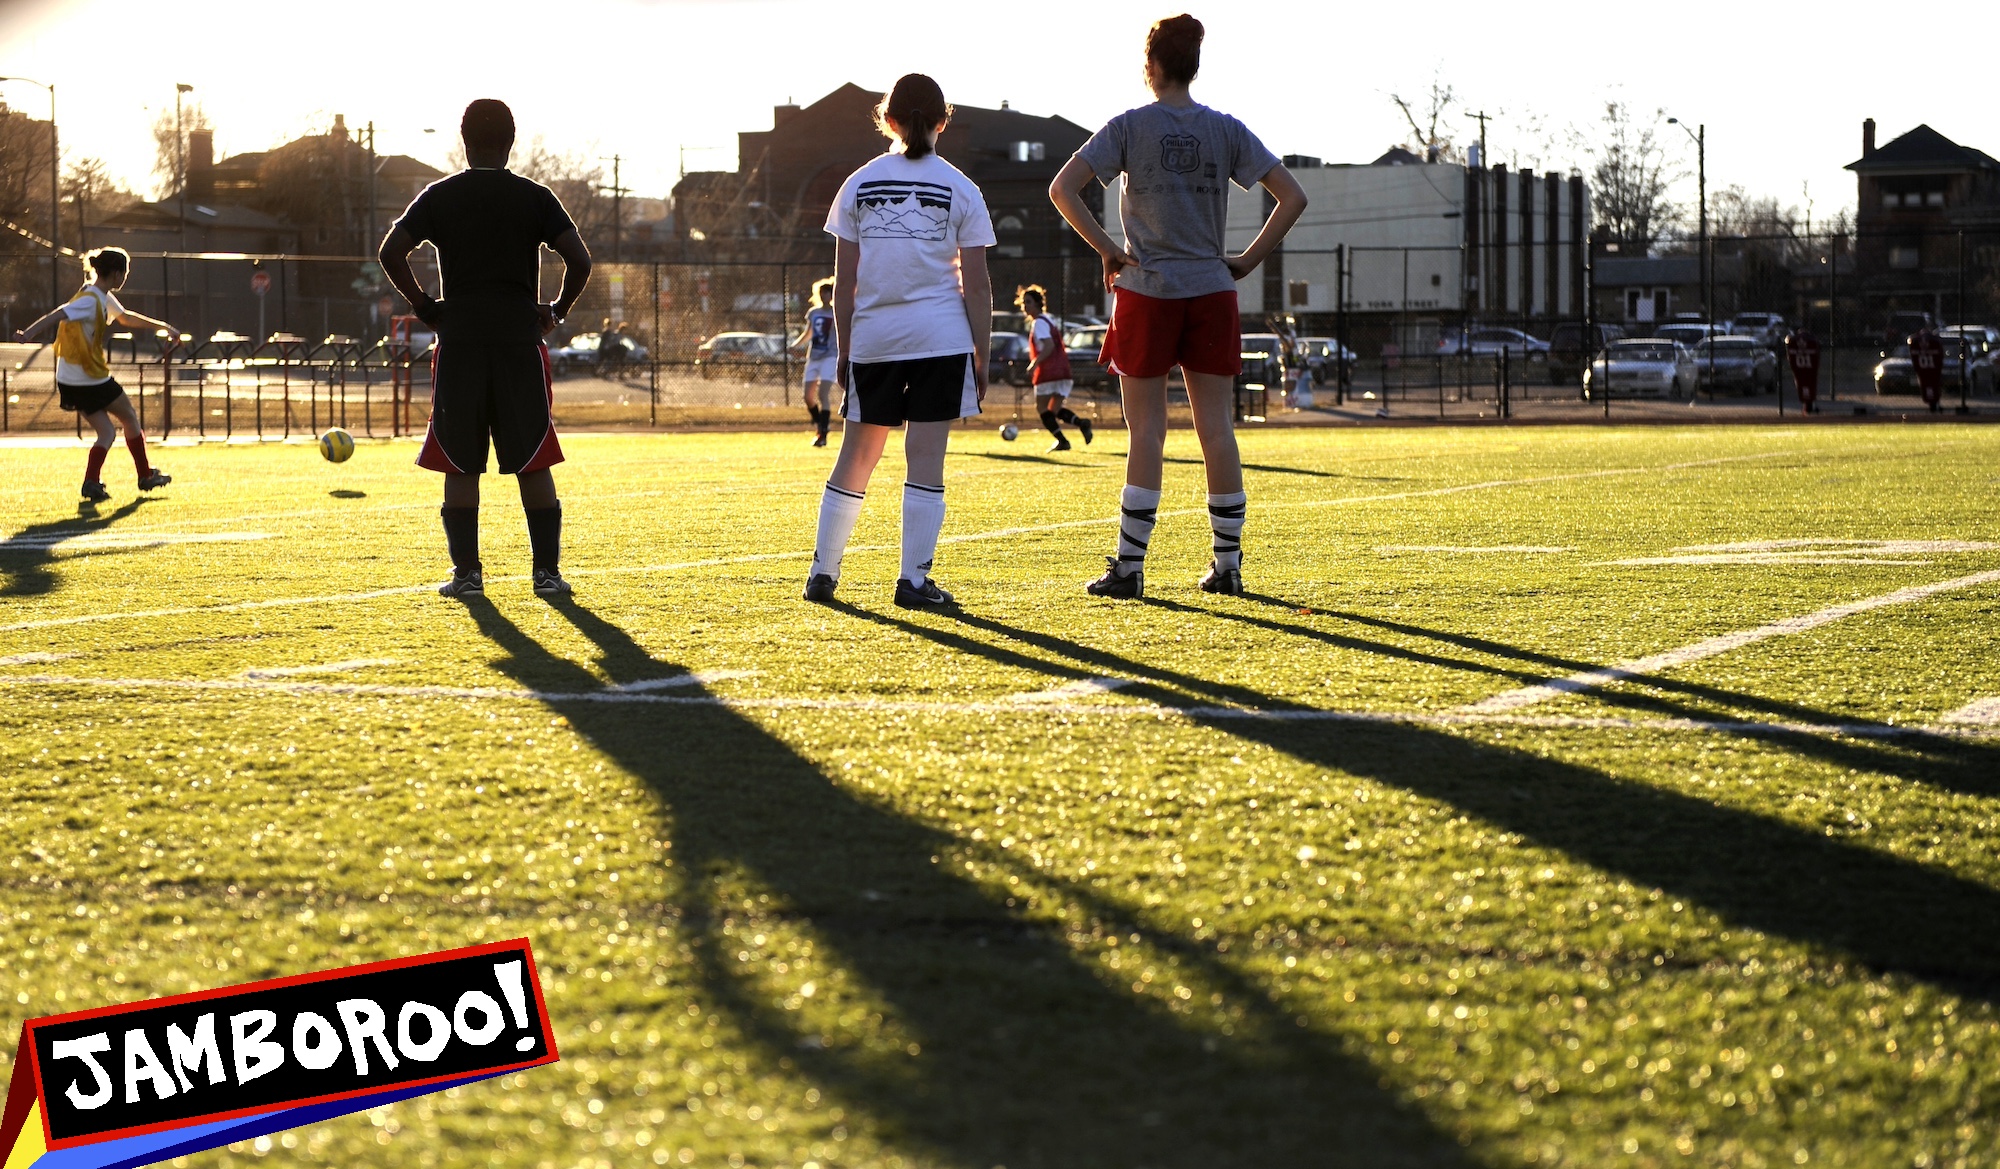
(1892,914)
(1028,1056)
(26,555)
(1937,760)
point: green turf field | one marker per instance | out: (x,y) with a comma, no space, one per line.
(1312,877)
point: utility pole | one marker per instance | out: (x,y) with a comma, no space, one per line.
(1700,136)
(618,194)
(180,162)
(1485,200)
(373,241)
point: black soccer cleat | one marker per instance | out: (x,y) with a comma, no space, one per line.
(549,583)
(95,493)
(819,590)
(820,439)
(1128,586)
(155,478)
(924,596)
(1061,444)
(463,583)
(1083,424)
(1227,581)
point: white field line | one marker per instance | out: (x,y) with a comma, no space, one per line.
(92,541)
(1984,713)
(1071,691)
(1653,664)
(648,693)
(632,692)
(34,659)
(1805,551)
(1475,549)
(266,672)
(999,533)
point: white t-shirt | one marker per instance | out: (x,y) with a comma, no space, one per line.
(910,218)
(83,310)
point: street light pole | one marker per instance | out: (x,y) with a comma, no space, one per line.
(180,163)
(55,192)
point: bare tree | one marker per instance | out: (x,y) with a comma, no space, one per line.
(89,193)
(1430,132)
(578,181)
(170,147)
(1629,178)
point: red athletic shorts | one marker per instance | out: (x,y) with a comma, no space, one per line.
(1149,335)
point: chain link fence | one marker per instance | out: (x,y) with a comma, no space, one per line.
(283,346)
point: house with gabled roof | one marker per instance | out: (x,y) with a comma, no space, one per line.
(1916,195)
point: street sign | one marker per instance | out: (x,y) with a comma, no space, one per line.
(1927,360)
(260,282)
(1802,350)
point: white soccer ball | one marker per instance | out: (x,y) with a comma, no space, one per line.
(336,445)
(1010,432)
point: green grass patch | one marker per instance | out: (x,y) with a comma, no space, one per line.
(874,888)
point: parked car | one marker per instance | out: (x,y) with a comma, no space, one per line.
(1007,360)
(1737,363)
(739,349)
(1983,336)
(1689,333)
(1645,365)
(586,351)
(1084,345)
(1322,356)
(1767,329)
(1901,325)
(1491,342)
(1263,362)
(1566,348)
(1894,374)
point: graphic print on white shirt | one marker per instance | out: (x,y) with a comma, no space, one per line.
(910,218)
(888,209)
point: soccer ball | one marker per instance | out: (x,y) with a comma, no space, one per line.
(336,445)
(1010,432)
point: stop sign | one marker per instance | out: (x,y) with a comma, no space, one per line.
(260,282)
(1927,361)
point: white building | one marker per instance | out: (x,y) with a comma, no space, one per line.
(1424,241)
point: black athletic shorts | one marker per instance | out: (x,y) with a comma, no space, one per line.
(490,380)
(921,389)
(89,399)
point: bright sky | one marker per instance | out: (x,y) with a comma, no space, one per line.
(1783,98)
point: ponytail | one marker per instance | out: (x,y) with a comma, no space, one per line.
(916,105)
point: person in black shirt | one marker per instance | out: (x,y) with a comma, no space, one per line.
(490,372)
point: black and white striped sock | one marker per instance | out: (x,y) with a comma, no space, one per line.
(1225,515)
(1139,509)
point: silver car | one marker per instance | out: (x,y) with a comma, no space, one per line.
(1649,365)
(1766,329)
(1737,363)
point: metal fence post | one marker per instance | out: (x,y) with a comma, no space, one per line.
(653,376)
(785,324)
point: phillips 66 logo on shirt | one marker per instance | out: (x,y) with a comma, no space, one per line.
(1180,153)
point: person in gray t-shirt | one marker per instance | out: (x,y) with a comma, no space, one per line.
(1173,288)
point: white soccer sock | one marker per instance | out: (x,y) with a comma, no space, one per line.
(838,511)
(923,518)
(1139,509)
(1225,515)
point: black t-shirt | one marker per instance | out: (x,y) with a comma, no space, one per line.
(488,227)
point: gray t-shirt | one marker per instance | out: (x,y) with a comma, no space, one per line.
(1177,162)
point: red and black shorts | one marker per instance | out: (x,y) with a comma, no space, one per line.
(488,384)
(1150,335)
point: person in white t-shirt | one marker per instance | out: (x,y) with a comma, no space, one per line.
(83,372)
(912,304)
